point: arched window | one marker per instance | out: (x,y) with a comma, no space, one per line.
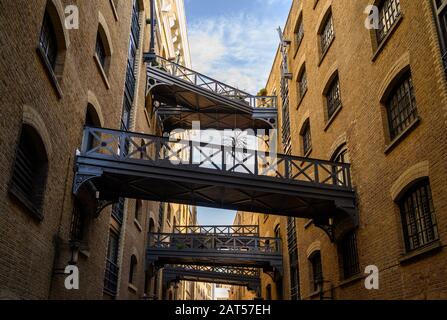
(302,82)
(326,33)
(418,216)
(401,105)
(92,120)
(30,171)
(133,269)
(333,96)
(299,31)
(48,41)
(316,271)
(341,156)
(389,12)
(306,137)
(103,46)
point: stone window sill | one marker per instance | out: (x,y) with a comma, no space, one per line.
(351,280)
(419,253)
(138,225)
(402,135)
(50,72)
(382,45)
(332,118)
(132,288)
(101,71)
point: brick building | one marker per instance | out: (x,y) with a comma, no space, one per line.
(55,80)
(375,98)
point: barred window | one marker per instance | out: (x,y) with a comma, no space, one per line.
(401,106)
(112,269)
(349,255)
(78,221)
(30,171)
(440,9)
(418,216)
(101,51)
(299,31)
(389,11)
(48,40)
(302,83)
(333,97)
(307,138)
(341,156)
(327,35)
(317,270)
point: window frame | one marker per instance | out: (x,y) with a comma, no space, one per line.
(404,200)
(333,97)
(316,268)
(348,252)
(326,34)
(384,31)
(306,137)
(391,105)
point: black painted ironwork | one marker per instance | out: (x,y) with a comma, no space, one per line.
(234,230)
(215,250)
(249,277)
(188,172)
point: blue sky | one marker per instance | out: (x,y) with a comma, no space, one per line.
(234,41)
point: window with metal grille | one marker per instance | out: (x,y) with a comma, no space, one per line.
(307,138)
(349,255)
(341,156)
(30,171)
(440,9)
(418,216)
(78,220)
(333,97)
(317,270)
(112,269)
(302,83)
(401,106)
(118,210)
(389,11)
(292,247)
(101,51)
(299,31)
(327,35)
(48,40)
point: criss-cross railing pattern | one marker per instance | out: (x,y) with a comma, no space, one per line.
(211,242)
(135,148)
(219,230)
(236,271)
(192,77)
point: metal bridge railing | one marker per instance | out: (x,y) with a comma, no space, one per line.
(204,242)
(234,271)
(219,230)
(143,149)
(192,77)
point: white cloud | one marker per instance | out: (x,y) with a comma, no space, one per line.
(237,50)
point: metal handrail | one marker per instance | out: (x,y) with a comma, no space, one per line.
(240,271)
(197,156)
(219,230)
(203,242)
(198,79)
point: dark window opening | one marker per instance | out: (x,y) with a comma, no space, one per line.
(48,40)
(302,83)
(101,51)
(112,269)
(317,271)
(418,216)
(307,138)
(133,269)
(78,223)
(30,171)
(349,255)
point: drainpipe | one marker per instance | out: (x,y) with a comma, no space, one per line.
(150,56)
